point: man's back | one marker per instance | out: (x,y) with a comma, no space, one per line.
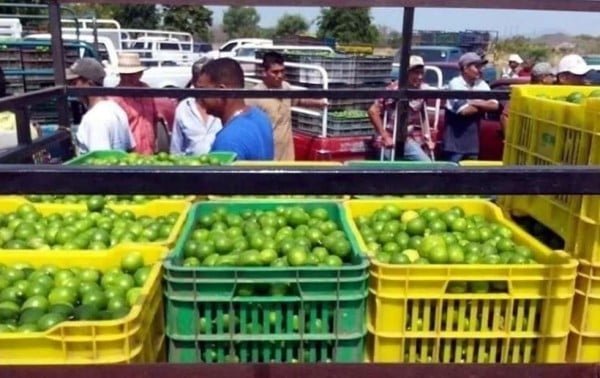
(104,127)
(249,134)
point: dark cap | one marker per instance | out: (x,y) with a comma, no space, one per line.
(87,68)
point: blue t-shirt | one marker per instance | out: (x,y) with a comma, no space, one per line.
(249,135)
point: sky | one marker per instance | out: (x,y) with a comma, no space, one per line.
(506,22)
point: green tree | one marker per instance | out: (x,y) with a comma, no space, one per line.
(25,11)
(524,46)
(290,24)
(137,16)
(86,10)
(347,25)
(196,20)
(240,22)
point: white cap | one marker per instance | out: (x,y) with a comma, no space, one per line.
(574,64)
(415,61)
(515,58)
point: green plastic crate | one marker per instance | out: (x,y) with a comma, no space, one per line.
(82,160)
(221,282)
(233,306)
(191,350)
(290,317)
(223,157)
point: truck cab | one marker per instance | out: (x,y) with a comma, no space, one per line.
(437,53)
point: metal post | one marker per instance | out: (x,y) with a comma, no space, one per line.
(58,59)
(402,105)
(23,129)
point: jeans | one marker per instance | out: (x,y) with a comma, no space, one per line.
(412,152)
(457,156)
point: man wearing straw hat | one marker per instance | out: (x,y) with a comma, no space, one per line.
(141,111)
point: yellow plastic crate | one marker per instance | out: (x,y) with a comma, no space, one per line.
(581,235)
(158,208)
(542,131)
(480,163)
(583,347)
(411,317)
(586,305)
(137,338)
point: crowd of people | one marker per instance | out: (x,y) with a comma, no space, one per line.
(261,129)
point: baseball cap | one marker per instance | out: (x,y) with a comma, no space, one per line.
(88,68)
(574,64)
(471,58)
(415,61)
(515,58)
(542,68)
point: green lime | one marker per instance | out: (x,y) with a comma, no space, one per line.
(383,257)
(399,258)
(455,254)
(416,226)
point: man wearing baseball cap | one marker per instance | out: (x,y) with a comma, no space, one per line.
(104,126)
(543,73)
(572,70)
(514,63)
(417,115)
(461,133)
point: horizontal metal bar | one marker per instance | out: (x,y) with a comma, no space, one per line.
(305,370)
(309,93)
(27,179)
(24,152)
(556,5)
(30,98)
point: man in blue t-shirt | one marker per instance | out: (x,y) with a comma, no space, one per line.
(247,131)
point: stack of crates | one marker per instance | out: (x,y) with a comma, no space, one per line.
(414,315)
(545,129)
(254,314)
(138,337)
(336,125)
(344,72)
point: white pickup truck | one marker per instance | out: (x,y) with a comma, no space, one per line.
(159,76)
(227,50)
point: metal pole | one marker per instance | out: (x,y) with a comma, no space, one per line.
(402,105)
(23,129)
(58,59)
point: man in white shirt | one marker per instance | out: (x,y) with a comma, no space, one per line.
(514,65)
(461,132)
(104,126)
(194,130)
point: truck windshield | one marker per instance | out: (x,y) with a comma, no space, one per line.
(431,55)
(448,73)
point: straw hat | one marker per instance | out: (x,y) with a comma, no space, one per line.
(129,63)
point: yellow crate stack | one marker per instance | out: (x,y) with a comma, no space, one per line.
(412,318)
(546,131)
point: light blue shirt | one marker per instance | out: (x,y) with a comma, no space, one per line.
(191,134)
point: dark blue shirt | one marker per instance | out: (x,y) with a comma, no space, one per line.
(249,135)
